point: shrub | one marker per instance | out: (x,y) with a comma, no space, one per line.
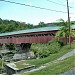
(54,47)
(61,43)
(43,53)
(40,50)
(44,50)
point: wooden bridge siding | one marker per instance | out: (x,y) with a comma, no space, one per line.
(20,38)
(23,38)
(72,39)
(64,39)
(38,39)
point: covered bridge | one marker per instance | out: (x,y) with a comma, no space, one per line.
(29,36)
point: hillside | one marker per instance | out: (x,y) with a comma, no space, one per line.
(11,25)
(56,67)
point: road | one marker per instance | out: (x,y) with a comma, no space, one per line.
(70,72)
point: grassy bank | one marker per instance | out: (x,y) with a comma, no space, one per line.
(56,68)
(39,62)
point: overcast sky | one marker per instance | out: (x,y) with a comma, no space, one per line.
(35,15)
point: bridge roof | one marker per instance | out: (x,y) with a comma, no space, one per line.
(33,30)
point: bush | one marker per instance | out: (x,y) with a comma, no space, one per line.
(54,47)
(44,50)
(35,50)
(43,53)
(40,50)
(61,43)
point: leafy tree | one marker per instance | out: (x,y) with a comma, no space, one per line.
(11,25)
(64,30)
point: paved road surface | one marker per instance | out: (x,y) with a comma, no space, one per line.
(70,72)
(67,55)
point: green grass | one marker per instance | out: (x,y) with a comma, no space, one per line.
(22,64)
(39,62)
(1,63)
(56,68)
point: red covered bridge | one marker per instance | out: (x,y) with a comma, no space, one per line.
(36,35)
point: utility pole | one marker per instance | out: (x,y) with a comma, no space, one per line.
(69,23)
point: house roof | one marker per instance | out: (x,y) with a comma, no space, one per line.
(33,30)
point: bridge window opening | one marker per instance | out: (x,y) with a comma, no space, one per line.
(53,34)
(32,35)
(39,34)
(42,34)
(7,37)
(36,35)
(10,37)
(46,34)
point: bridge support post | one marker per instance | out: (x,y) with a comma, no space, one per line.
(24,49)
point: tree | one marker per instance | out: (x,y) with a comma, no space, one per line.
(41,24)
(64,30)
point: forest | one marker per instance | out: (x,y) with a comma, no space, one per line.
(11,25)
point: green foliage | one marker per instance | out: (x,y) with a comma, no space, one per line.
(60,67)
(44,50)
(43,53)
(61,43)
(56,68)
(2,64)
(64,30)
(54,46)
(11,25)
(40,50)
(38,62)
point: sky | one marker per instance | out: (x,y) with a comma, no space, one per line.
(35,15)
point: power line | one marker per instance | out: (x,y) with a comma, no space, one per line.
(33,6)
(58,3)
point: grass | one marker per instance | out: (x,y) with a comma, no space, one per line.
(1,64)
(56,68)
(39,62)
(22,65)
